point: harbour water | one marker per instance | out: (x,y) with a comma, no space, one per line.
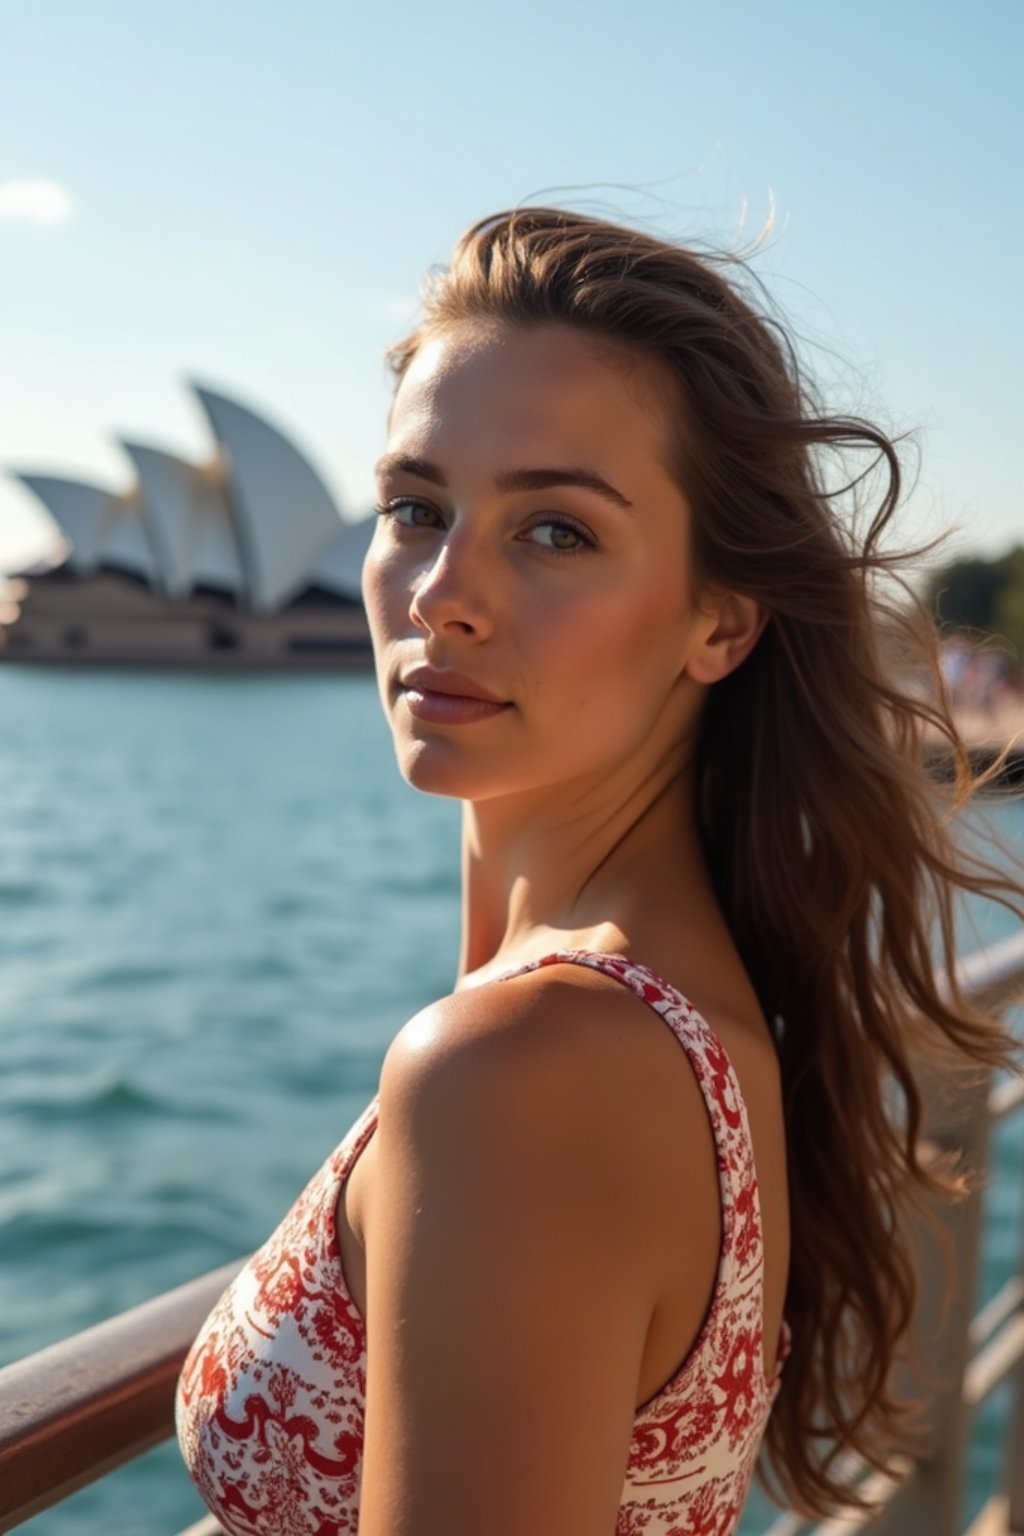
(218,901)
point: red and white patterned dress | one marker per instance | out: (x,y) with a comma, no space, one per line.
(270,1400)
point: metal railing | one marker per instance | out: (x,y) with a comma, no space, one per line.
(73,1412)
(968,1353)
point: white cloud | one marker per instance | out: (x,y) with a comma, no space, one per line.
(38,201)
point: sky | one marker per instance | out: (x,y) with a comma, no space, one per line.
(247,194)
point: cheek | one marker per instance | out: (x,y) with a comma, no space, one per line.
(606,663)
(379,593)
(627,633)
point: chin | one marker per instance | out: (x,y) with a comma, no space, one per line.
(440,768)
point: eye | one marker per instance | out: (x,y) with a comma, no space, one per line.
(560,536)
(409,513)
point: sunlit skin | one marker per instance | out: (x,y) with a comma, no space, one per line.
(568,603)
(503,1232)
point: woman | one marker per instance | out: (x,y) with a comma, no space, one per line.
(615,610)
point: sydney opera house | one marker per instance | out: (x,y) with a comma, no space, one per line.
(242,561)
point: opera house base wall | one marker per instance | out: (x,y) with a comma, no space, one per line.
(115,619)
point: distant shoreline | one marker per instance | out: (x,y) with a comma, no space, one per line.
(986,734)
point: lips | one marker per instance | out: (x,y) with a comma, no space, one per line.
(438,696)
(445,681)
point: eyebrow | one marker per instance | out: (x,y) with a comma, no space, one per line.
(510,479)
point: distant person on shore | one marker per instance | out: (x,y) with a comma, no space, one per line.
(979,681)
(628,1209)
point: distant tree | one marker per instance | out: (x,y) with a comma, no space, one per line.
(1008,619)
(978,594)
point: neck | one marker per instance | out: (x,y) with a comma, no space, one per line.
(581,865)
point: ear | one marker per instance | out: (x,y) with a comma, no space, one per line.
(733,626)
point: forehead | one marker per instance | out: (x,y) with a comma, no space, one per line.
(501,391)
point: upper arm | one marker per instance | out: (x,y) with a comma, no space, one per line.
(506,1305)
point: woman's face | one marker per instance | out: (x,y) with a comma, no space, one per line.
(528,582)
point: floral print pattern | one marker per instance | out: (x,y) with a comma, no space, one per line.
(270,1400)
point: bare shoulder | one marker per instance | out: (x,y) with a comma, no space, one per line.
(562,1054)
(506,1243)
(530,1022)
(535,1034)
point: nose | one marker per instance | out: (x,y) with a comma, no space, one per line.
(450,596)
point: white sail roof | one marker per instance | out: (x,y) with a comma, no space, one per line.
(188,522)
(255,520)
(102,528)
(283,512)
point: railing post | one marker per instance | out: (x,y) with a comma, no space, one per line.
(956,1120)
(1015,1458)
(1013,1475)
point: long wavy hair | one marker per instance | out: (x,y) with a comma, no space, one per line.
(829,843)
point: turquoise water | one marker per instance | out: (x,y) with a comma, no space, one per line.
(218,901)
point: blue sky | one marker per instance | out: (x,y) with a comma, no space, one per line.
(248,193)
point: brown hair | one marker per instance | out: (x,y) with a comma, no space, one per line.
(828,841)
